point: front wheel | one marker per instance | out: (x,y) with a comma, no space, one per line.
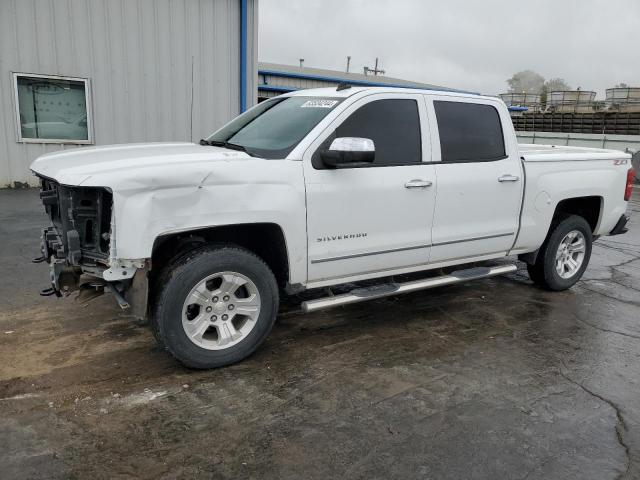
(564,256)
(216,306)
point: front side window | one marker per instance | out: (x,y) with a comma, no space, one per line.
(394,127)
(469,132)
(275,127)
(52,109)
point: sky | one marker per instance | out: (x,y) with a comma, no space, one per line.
(471,45)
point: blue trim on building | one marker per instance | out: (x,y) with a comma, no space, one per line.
(243,55)
(361,83)
(514,108)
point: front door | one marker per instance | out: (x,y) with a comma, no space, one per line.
(377,218)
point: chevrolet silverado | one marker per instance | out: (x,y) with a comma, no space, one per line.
(320,188)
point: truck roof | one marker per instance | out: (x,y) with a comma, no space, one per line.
(347,92)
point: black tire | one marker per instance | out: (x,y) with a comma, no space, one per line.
(544,272)
(177,280)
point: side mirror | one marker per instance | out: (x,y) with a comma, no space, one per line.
(349,152)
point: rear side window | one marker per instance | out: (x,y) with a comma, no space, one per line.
(469,132)
(394,127)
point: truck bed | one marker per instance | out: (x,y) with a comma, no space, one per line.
(552,153)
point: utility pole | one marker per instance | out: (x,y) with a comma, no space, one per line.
(348,62)
(374,70)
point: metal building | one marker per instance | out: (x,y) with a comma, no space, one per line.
(95,72)
(275,79)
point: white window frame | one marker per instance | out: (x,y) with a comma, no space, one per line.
(87,99)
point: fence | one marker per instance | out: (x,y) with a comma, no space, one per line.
(612,123)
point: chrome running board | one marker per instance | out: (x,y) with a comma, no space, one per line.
(388,289)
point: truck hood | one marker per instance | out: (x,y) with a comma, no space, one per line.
(108,165)
(164,188)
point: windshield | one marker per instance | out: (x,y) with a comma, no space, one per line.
(274,128)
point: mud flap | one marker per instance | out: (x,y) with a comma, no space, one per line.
(621,226)
(137,295)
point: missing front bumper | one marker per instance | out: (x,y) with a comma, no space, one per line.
(130,294)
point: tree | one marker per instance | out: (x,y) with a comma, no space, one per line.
(526,81)
(543,95)
(622,85)
(556,85)
(552,85)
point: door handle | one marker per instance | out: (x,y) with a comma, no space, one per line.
(508,178)
(417,183)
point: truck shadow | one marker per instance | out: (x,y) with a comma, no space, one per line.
(99,351)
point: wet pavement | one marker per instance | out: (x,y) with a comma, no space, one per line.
(493,379)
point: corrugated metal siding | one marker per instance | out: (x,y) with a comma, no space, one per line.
(267,94)
(252,53)
(296,83)
(140,56)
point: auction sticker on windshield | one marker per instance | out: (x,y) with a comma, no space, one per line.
(321,103)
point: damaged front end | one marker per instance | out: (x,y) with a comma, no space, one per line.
(78,246)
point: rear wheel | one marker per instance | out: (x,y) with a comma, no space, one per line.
(564,256)
(216,306)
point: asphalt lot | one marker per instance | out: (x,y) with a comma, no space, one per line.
(493,379)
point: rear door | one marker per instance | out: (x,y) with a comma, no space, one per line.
(375,218)
(480,179)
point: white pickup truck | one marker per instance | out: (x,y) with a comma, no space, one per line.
(319,188)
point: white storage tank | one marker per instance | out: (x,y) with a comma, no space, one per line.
(530,100)
(572,101)
(623,99)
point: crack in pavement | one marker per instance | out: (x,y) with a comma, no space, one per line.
(621,264)
(630,335)
(621,426)
(614,271)
(611,297)
(617,277)
(612,280)
(538,466)
(630,250)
